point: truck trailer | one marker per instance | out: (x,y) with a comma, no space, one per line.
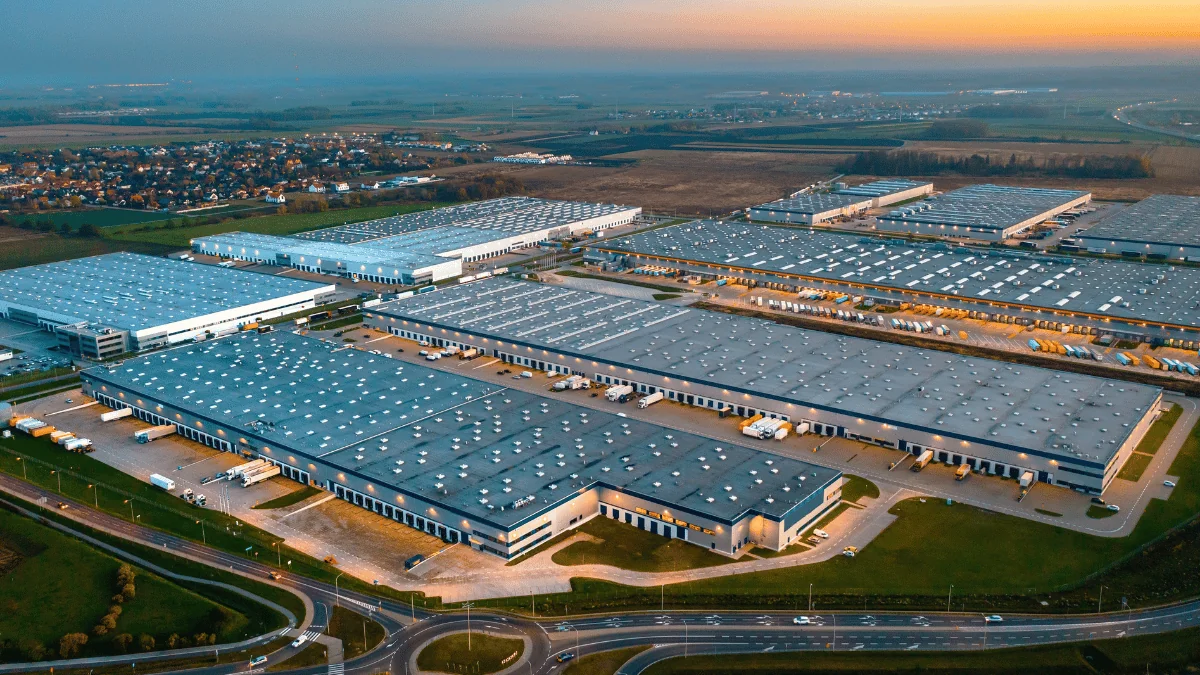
(161,481)
(650,400)
(147,435)
(962,471)
(619,392)
(922,460)
(116,414)
(240,469)
(259,475)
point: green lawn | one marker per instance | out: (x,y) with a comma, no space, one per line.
(314,654)
(274,224)
(100,217)
(603,663)
(1135,466)
(936,545)
(358,634)
(487,654)
(665,296)
(629,548)
(293,497)
(52,248)
(1159,430)
(61,585)
(856,487)
(1099,512)
(1169,652)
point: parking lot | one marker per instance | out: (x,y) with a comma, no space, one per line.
(34,350)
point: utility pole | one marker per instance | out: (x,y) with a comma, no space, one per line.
(810,597)
(948,598)
(1101,600)
(468,605)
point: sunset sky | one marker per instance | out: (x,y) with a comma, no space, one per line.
(160,37)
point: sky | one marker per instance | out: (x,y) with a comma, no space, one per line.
(128,40)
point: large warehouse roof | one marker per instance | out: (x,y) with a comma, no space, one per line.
(250,244)
(1160,219)
(986,207)
(810,204)
(974,399)
(505,217)
(136,292)
(1104,288)
(472,446)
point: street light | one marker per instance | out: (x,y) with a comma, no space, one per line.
(336,593)
(468,605)
(948,598)
(810,597)
(95,495)
(130,503)
(203,537)
(1101,600)
(278,554)
(23,474)
(59,477)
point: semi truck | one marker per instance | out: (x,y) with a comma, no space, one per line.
(78,445)
(240,469)
(922,460)
(1026,479)
(573,382)
(767,428)
(147,435)
(962,471)
(160,481)
(116,414)
(468,353)
(619,392)
(650,400)
(259,475)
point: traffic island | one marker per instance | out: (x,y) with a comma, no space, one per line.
(479,653)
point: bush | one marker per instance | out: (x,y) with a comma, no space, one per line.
(123,642)
(69,644)
(31,650)
(146,642)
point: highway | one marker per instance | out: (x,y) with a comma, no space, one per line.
(671,633)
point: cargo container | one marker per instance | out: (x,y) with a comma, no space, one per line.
(748,421)
(962,335)
(41,431)
(1133,360)
(116,414)
(1033,344)
(147,435)
(162,482)
(1189,368)
(250,326)
(962,471)
(922,460)
(1026,479)
(61,437)
(650,400)
(1123,359)
(1152,362)
(78,445)
(414,561)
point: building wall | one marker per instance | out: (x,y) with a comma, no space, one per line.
(1120,246)
(981,233)
(1048,467)
(903,195)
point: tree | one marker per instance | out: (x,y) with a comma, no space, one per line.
(31,650)
(70,644)
(88,230)
(146,642)
(123,642)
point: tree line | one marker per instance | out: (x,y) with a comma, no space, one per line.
(917,163)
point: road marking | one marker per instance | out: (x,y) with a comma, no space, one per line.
(85,405)
(305,508)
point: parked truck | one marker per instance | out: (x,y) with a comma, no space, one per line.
(922,460)
(962,471)
(259,475)
(619,392)
(160,481)
(1026,479)
(650,400)
(78,445)
(44,430)
(116,414)
(767,428)
(468,353)
(240,469)
(147,435)
(573,382)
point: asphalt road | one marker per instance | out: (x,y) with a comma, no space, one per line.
(670,633)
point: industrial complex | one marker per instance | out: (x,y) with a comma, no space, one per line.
(988,212)
(999,418)
(460,458)
(1129,300)
(421,247)
(820,207)
(107,305)
(1160,226)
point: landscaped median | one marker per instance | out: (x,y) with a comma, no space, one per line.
(477,653)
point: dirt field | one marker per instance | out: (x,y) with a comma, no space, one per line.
(672,180)
(50,133)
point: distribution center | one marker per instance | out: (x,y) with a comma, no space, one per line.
(463,459)
(1161,226)
(422,247)
(821,207)
(990,212)
(1062,428)
(1126,299)
(107,305)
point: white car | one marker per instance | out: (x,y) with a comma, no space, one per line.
(1169,483)
(801,621)
(422,353)
(995,618)
(1113,507)
(432,357)
(299,641)
(821,533)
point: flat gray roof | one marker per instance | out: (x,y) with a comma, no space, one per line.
(503,217)
(819,202)
(1063,415)
(882,188)
(987,207)
(136,292)
(1106,288)
(249,243)
(1160,219)
(471,446)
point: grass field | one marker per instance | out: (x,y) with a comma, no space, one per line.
(62,585)
(293,497)
(358,634)
(856,487)
(1135,466)
(100,217)
(52,248)
(487,654)
(603,663)
(1159,430)
(938,545)
(629,548)
(665,296)
(274,224)
(315,654)
(1099,512)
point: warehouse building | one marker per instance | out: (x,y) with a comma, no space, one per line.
(845,202)
(1161,226)
(988,212)
(1129,300)
(107,305)
(461,459)
(422,247)
(1065,429)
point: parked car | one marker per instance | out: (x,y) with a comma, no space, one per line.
(1169,483)
(821,533)
(1113,507)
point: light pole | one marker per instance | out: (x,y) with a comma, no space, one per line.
(203,536)
(948,598)
(95,495)
(1101,600)
(468,605)
(24,475)
(810,597)
(59,477)
(278,555)
(336,593)
(685,639)
(130,503)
